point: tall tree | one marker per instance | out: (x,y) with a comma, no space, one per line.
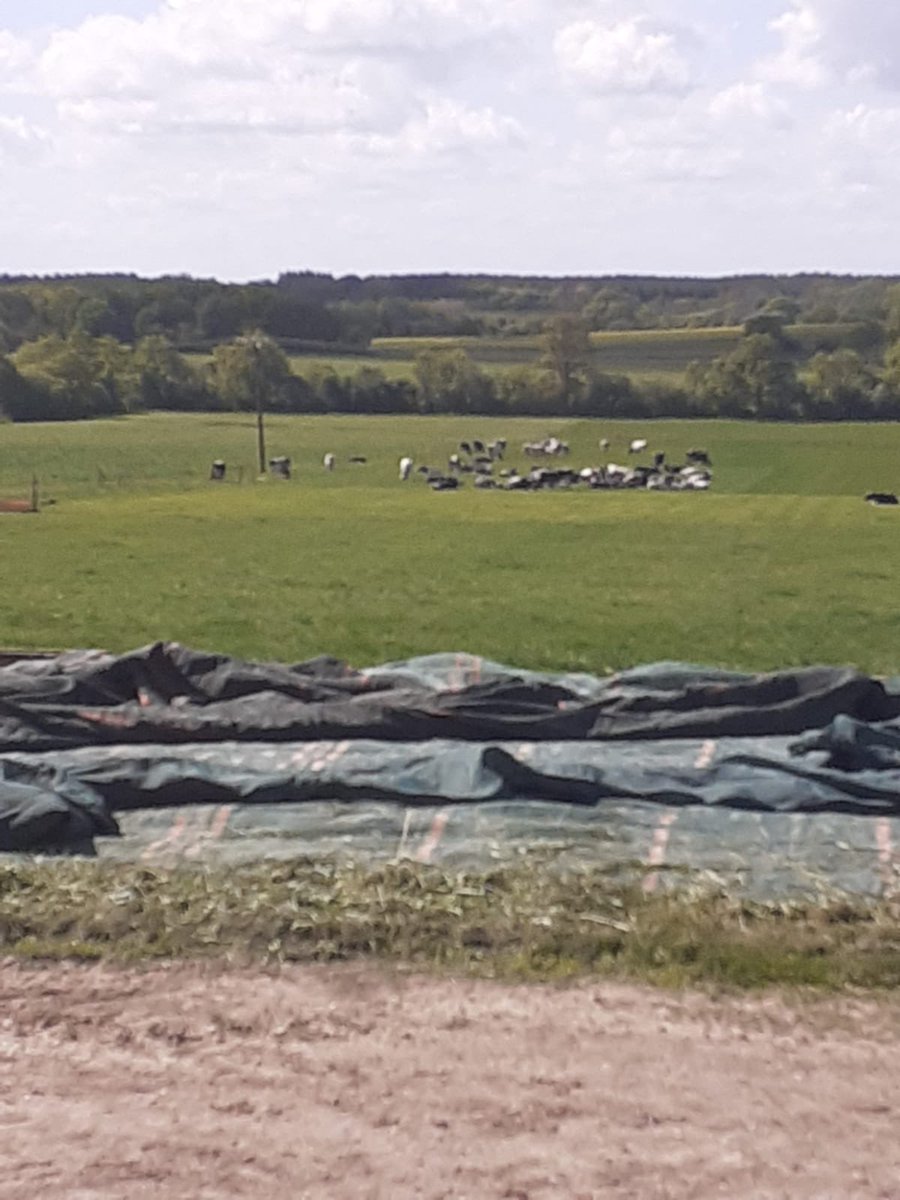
(567,352)
(164,378)
(892,320)
(252,373)
(448,381)
(841,386)
(77,376)
(758,379)
(16,395)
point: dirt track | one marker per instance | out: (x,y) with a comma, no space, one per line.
(189,1082)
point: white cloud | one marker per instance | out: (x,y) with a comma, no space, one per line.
(258,39)
(626,56)
(447,127)
(21,143)
(352,95)
(281,67)
(798,60)
(15,52)
(672,149)
(559,135)
(860,151)
(16,60)
(17,129)
(389,24)
(753,101)
(875,130)
(854,41)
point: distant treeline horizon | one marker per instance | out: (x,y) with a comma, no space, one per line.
(308,307)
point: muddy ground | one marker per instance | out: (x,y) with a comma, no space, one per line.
(193,1082)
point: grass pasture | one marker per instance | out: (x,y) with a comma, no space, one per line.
(654,354)
(349,364)
(645,355)
(781,564)
(631,351)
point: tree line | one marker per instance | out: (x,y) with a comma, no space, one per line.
(82,376)
(304,309)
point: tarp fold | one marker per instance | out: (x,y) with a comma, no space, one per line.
(85,736)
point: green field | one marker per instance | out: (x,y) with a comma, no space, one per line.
(657,354)
(349,364)
(645,355)
(781,564)
(638,352)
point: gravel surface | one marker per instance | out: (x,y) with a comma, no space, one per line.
(190,1081)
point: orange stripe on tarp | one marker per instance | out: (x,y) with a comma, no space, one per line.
(433,840)
(176,829)
(885,845)
(458,675)
(108,717)
(658,847)
(217,825)
(219,822)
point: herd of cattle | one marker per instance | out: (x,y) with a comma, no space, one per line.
(482,462)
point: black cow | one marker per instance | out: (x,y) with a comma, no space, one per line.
(881,498)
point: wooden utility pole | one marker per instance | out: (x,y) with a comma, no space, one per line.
(260,432)
(260,417)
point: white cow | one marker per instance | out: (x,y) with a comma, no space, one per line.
(406,466)
(328,462)
(637,446)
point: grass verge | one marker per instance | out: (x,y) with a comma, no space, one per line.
(522,923)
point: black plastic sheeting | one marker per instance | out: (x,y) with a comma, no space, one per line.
(169,694)
(92,744)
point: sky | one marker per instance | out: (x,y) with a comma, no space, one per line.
(243,138)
